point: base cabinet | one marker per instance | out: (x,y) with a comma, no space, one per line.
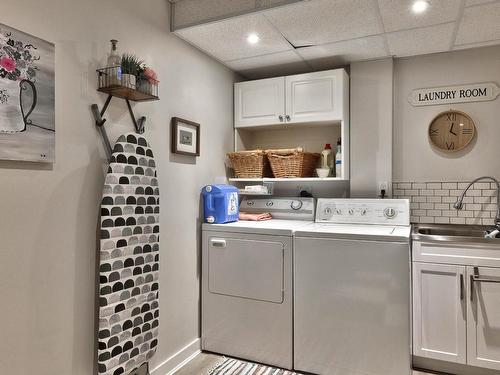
(439,312)
(483,318)
(456,314)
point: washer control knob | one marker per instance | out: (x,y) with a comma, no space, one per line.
(338,211)
(249,203)
(363,211)
(351,211)
(269,203)
(296,205)
(327,211)
(390,213)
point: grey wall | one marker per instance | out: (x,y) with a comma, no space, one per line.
(371,126)
(49,214)
(414,158)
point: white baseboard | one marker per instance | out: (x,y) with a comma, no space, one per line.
(179,359)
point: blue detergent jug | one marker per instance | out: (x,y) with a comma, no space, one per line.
(221,204)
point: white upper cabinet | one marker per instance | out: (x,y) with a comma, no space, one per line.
(439,314)
(318,97)
(483,320)
(259,102)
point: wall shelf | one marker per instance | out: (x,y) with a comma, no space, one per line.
(299,179)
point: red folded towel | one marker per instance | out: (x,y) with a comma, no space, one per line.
(255,217)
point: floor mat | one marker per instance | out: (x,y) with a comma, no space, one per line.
(232,366)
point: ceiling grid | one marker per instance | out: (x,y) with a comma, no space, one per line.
(306,35)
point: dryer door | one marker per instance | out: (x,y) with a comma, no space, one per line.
(247,268)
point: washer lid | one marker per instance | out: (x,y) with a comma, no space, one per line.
(356,232)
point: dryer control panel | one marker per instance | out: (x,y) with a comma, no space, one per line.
(281,208)
(363,211)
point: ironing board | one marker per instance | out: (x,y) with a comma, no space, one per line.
(129,259)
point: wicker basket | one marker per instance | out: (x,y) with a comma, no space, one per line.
(250,164)
(292,162)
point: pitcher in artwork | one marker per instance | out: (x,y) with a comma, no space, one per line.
(18,94)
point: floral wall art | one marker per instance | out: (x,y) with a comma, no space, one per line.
(27,113)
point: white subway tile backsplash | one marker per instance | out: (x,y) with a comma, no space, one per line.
(432,202)
(442,220)
(442,192)
(419,199)
(481,185)
(442,206)
(434,199)
(434,213)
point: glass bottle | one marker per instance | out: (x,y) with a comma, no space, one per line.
(114,64)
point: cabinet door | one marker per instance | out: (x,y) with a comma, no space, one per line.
(483,319)
(260,102)
(439,312)
(315,97)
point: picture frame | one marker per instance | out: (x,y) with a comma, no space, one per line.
(185,136)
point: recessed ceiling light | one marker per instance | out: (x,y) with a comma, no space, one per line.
(253,38)
(420,6)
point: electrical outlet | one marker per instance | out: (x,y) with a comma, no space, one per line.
(301,188)
(383,185)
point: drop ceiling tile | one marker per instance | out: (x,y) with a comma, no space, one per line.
(421,41)
(324,21)
(226,40)
(339,53)
(479,24)
(397,14)
(280,58)
(196,11)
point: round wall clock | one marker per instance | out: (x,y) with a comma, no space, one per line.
(452,131)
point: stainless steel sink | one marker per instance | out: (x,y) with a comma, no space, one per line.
(452,233)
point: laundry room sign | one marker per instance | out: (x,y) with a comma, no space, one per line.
(475,92)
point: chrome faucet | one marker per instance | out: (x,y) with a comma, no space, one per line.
(459,204)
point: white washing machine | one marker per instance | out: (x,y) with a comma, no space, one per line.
(352,289)
(247,282)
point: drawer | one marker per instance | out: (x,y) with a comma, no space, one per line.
(471,254)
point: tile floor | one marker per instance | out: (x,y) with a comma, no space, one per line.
(205,361)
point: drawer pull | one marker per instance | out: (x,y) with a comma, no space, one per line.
(218,243)
(483,279)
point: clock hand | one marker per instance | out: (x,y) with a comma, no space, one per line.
(451,129)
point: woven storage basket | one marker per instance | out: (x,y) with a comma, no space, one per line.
(292,162)
(250,164)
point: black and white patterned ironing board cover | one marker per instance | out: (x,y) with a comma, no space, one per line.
(129,259)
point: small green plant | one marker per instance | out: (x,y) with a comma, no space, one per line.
(131,64)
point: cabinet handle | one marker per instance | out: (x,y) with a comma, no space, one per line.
(461,287)
(483,279)
(218,243)
(287,117)
(471,288)
(281,118)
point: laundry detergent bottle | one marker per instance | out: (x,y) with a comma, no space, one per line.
(220,203)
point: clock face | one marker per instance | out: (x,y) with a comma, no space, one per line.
(451,131)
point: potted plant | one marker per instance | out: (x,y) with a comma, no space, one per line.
(147,79)
(130,69)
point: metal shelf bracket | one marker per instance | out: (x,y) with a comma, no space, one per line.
(139,124)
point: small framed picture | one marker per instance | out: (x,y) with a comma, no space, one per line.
(185,137)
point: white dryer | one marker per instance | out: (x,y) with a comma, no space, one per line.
(247,282)
(352,289)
